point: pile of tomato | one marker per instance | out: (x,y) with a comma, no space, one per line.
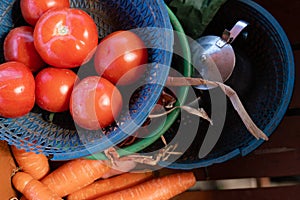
(42,59)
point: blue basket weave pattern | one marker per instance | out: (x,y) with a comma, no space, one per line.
(32,132)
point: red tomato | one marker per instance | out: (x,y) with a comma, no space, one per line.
(66,38)
(16,89)
(120,56)
(95,103)
(32,10)
(19,46)
(53,88)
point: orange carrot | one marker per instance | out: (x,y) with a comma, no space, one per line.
(36,165)
(31,188)
(162,188)
(106,186)
(75,175)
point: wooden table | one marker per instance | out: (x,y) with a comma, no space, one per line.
(275,159)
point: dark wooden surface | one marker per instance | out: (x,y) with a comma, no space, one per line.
(274,193)
(277,158)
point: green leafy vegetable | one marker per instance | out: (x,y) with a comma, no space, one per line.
(195,15)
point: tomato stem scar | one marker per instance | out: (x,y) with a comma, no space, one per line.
(62,30)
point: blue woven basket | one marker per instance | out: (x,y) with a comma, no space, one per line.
(263,78)
(32,132)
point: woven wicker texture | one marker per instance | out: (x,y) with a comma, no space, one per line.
(63,143)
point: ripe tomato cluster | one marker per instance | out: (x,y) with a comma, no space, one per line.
(42,59)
